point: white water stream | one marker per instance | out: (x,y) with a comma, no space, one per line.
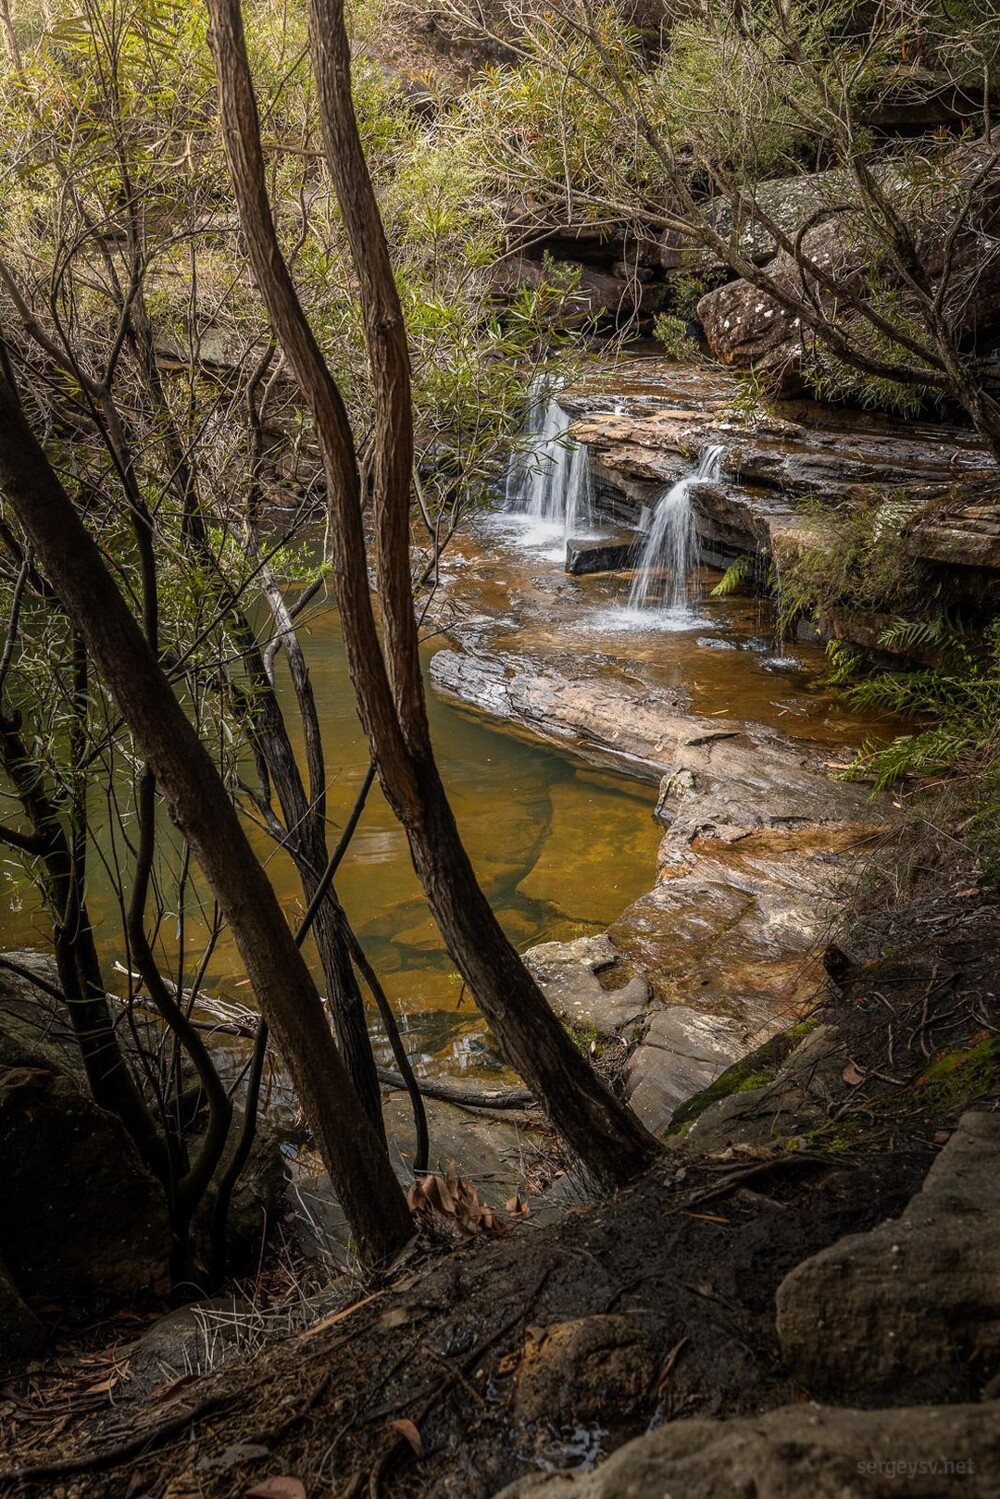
(670,555)
(549,486)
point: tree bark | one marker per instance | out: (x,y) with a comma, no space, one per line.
(389,688)
(199,804)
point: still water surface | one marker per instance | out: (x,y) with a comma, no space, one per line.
(561,848)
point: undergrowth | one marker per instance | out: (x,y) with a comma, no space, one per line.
(934,661)
(859,565)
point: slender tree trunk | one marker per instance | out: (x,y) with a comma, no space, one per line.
(389,688)
(200,806)
(305,840)
(111,1083)
(304,814)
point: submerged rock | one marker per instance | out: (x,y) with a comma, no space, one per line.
(911,1310)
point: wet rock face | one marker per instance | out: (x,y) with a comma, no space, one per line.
(758,841)
(798,1452)
(911,1310)
(773,460)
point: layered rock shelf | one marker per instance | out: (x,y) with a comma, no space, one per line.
(782,466)
(758,838)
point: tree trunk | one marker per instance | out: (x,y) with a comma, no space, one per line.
(200,806)
(389,688)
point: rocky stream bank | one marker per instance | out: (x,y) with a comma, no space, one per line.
(802,1299)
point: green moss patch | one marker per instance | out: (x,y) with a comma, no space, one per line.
(756,1070)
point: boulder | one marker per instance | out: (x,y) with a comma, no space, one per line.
(195,1339)
(573,1373)
(22,1336)
(771,1106)
(797,1452)
(911,1310)
(787,201)
(746,328)
(957,531)
(609,554)
(567,974)
(79,1214)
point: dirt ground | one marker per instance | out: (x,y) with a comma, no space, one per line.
(554,1344)
(539,1349)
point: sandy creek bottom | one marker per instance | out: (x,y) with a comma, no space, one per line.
(561,847)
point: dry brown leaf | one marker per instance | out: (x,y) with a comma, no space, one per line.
(408,1431)
(103,1386)
(280,1487)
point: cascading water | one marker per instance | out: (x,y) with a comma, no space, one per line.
(670,554)
(548,482)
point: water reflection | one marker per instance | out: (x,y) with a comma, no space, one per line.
(559,850)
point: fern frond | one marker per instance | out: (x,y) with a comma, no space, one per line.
(736,574)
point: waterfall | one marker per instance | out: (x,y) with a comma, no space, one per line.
(548,480)
(670,554)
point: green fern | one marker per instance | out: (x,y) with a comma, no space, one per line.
(919,636)
(735,575)
(960,697)
(846,661)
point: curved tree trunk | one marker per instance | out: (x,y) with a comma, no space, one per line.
(389,688)
(200,806)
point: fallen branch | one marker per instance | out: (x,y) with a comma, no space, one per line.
(468,1098)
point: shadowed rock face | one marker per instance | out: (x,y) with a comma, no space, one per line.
(911,1310)
(798,1452)
(79,1215)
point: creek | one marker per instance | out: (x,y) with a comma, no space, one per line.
(562,845)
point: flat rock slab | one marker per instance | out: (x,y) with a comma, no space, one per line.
(728,782)
(567,974)
(682,1052)
(798,1452)
(607,721)
(914,1305)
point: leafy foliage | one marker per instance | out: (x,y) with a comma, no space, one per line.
(735,576)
